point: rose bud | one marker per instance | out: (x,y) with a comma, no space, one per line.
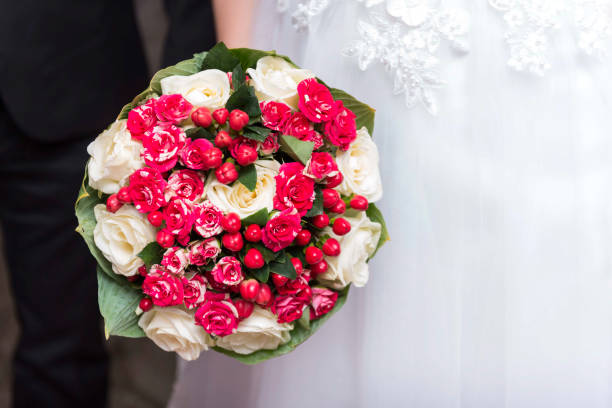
(264,296)
(359,202)
(124,195)
(297,265)
(334,181)
(341,226)
(246,155)
(254,259)
(319,268)
(253,233)
(142,271)
(220,115)
(145,304)
(331,247)
(243,308)
(113,203)
(233,242)
(279,280)
(313,255)
(303,237)
(212,158)
(320,221)
(231,223)
(201,117)
(226,173)
(165,239)
(155,218)
(223,139)
(249,289)
(238,119)
(339,207)
(330,197)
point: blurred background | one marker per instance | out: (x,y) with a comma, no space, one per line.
(141,373)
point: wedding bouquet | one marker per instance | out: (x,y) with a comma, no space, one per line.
(230,206)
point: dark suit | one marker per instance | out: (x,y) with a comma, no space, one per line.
(66,69)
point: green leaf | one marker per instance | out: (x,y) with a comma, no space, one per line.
(118,303)
(244,98)
(258,133)
(199,133)
(299,334)
(299,150)
(185,68)
(317,205)
(199,58)
(219,57)
(304,321)
(249,57)
(284,268)
(259,218)
(262,274)
(238,76)
(375,215)
(364,113)
(248,177)
(152,254)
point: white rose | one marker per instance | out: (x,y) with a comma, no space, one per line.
(173,329)
(357,246)
(359,166)
(209,88)
(121,236)
(114,156)
(274,79)
(239,199)
(259,331)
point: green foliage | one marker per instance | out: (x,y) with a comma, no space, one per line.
(317,205)
(118,303)
(244,98)
(152,254)
(219,57)
(238,76)
(258,133)
(259,218)
(283,266)
(248,177)
(199,133)
(249,57)
(364,113)
(298,150)
(375,215)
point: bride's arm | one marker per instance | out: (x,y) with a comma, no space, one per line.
(233,19)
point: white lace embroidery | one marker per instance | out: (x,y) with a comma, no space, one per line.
(305,11)
(532,23)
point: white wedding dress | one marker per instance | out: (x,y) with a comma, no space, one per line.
(494,124)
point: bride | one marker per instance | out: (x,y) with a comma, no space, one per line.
(495,134)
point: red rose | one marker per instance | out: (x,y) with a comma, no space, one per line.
(240,141)
(207,219)
(342,130)
(228,271)
(187,184)
(274,115)
(175,260)
(141,119)
(192,155)
(323,300)
(321,165)
(146,189)
(316,101)
(179,217)
(165,289)
(200,252)
(287,308)
(270,145)
(297,288)
(162,145)
(293,188)
(281,230)
(194,290)
(172,108)
(218,318)
(298,126)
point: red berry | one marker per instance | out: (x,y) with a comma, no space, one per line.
(133,278)
(334,181)
(220,115)
(124,195)
(253,233)
(303,237)
(243,307)
(339,207)
(331,247)
(254,259)
(212,158)
(313,255)
(113,203)
(264,296)
(359,202)
(226,173)
(246,155)
(320,221)
(330,197)
(142,271)
(145,304)
(233,242)
(223,139)
(238,119)
(319,268)
(231,223)
(341,226)
(201,117)
(165,239)
(279,280)
(249,289)
(155,218)
(297,265)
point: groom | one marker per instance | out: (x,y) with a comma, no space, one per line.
(66,69)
